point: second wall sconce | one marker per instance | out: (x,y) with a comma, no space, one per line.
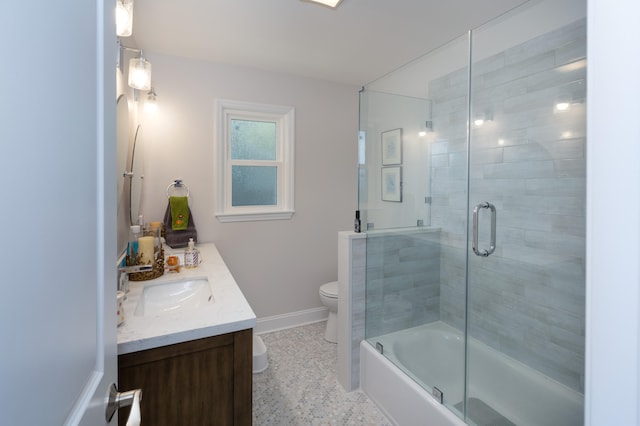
(140,73)
(139,69)
(124,18)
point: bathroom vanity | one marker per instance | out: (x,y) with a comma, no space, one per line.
(191,358)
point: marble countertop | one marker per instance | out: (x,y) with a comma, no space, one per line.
(229,311)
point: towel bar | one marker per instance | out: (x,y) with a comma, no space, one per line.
(177,184)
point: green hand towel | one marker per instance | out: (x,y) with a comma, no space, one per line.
(179,213)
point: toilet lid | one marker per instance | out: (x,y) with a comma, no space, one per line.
(329,289)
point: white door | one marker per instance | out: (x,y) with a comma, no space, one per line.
(57,211)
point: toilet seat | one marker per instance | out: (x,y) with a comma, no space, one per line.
(330,290)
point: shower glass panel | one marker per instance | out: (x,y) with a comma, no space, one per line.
(416,247)
(472,194)
(526,300)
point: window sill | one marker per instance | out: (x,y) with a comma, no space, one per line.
(250,217)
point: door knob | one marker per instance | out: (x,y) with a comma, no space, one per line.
(124,399)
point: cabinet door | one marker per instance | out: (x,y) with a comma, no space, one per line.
(202,382)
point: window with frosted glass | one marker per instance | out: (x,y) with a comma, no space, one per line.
(255,156)
(255,142)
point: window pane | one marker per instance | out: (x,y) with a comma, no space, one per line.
(253,140)
(254,186)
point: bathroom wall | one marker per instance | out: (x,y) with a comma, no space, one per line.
(279,265)
(403,279)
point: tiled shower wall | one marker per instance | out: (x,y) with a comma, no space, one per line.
(403,280)
(527,299)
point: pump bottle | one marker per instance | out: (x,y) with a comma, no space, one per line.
(191,255)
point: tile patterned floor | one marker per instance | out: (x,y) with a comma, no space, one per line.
(300,386)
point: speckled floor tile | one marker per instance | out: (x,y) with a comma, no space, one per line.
(300,386)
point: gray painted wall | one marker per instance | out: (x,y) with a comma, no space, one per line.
(279,265)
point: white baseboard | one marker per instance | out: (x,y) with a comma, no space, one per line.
(292,319)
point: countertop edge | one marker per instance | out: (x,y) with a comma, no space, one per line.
(184,336)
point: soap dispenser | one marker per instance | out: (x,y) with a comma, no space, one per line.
(191,255)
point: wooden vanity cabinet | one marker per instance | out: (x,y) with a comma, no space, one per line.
(201,382)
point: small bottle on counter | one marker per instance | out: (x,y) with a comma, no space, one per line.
(134,234)
(191,255)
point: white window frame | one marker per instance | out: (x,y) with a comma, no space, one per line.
(284,117)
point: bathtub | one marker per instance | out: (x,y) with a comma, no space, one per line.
(502,390)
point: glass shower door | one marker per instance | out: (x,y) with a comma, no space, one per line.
(526,271)
(416,242)
(475,263)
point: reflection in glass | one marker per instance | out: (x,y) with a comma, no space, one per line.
(137,178)
(122,181)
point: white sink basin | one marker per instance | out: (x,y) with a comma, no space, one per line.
(174,296)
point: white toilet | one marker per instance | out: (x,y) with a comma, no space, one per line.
(329,298)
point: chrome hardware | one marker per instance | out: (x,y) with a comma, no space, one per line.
(123,275)
(177,184)
(124,399)
(135,268)
(437,394)
(380,348)
(492,246)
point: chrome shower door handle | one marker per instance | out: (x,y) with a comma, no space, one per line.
(492,243)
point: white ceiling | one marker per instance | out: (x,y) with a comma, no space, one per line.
(356,43)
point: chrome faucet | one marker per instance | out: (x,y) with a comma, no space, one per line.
(123,275)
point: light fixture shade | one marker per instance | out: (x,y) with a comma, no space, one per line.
(140,73)
(124,18)
(151,103)
(330,3)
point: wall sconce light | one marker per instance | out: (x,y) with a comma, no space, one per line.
(139,72)
(124,18)
(151,103)
(139,69)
